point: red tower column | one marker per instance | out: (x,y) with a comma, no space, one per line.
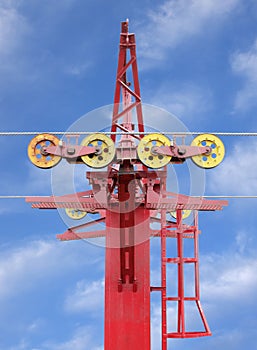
(127,262)
(127,281)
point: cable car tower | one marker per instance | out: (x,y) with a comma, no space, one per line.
(130,193)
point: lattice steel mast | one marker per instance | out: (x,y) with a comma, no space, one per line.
(129,194)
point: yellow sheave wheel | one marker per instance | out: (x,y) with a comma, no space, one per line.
(105,150)
(185,214)
(35,154)
(217,154)
(75,214)
(145,150)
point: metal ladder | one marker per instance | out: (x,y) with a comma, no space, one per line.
(179,231)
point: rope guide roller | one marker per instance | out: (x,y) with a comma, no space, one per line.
(154,151)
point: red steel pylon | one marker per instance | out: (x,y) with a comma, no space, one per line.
(130,194)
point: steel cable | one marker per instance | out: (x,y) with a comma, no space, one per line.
(207,196)
(179,133)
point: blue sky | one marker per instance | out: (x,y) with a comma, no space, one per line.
(198,60)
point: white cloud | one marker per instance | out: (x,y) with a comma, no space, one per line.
(228,286)
(31,267)
(18,266)
(77,69)
(175,21)
(184,102)
(20,29)
(86,297)
(83,338)
(246,62)
(35,325)
(24,267)
(229,277)
(22,345)
(237,174)
(13,27)
(245,65)
(232,339)
(243,241)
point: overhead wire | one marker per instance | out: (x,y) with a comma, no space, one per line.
(182,133)
(207,196)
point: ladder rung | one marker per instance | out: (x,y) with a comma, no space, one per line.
(178,298)
(177,260)
(190,260)
(156,289)
(187,334)
(172,260)
(172,298)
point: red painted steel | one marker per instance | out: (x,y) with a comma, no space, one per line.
(127,281)
(128,198)
(127,262)
(180,260)
(127,45)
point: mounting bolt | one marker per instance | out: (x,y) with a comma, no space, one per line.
(181,151)
(43,151)
(71,150)
(119,286)
(208,150)
(154,149)
(98,150)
